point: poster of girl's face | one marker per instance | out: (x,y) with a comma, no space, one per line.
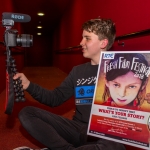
(124,89)
(123,80)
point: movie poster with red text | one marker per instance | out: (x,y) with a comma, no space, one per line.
(121,104)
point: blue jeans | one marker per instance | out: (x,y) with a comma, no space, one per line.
(59,133)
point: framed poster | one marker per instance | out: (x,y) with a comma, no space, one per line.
(120,110)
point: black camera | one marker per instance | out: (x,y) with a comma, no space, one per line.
(12,38)
(14,89)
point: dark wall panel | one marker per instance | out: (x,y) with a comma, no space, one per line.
(129,16)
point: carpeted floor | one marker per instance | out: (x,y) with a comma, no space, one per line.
(12,134)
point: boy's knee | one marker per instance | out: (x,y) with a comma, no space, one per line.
(110,145)
(24,113)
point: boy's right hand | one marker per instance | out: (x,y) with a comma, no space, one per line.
(23,78)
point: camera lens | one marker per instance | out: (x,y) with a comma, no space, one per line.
(24,40)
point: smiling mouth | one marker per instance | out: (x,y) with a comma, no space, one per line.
(121,100)
(83,49)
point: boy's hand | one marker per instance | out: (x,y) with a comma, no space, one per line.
(23,78)
(147,97)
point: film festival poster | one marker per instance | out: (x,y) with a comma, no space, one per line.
(120,110)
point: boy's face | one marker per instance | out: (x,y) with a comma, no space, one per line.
(91,45)
(124,89)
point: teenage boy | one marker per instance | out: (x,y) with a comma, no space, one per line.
(57,132)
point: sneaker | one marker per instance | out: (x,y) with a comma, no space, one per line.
(28,148)
(23,148)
